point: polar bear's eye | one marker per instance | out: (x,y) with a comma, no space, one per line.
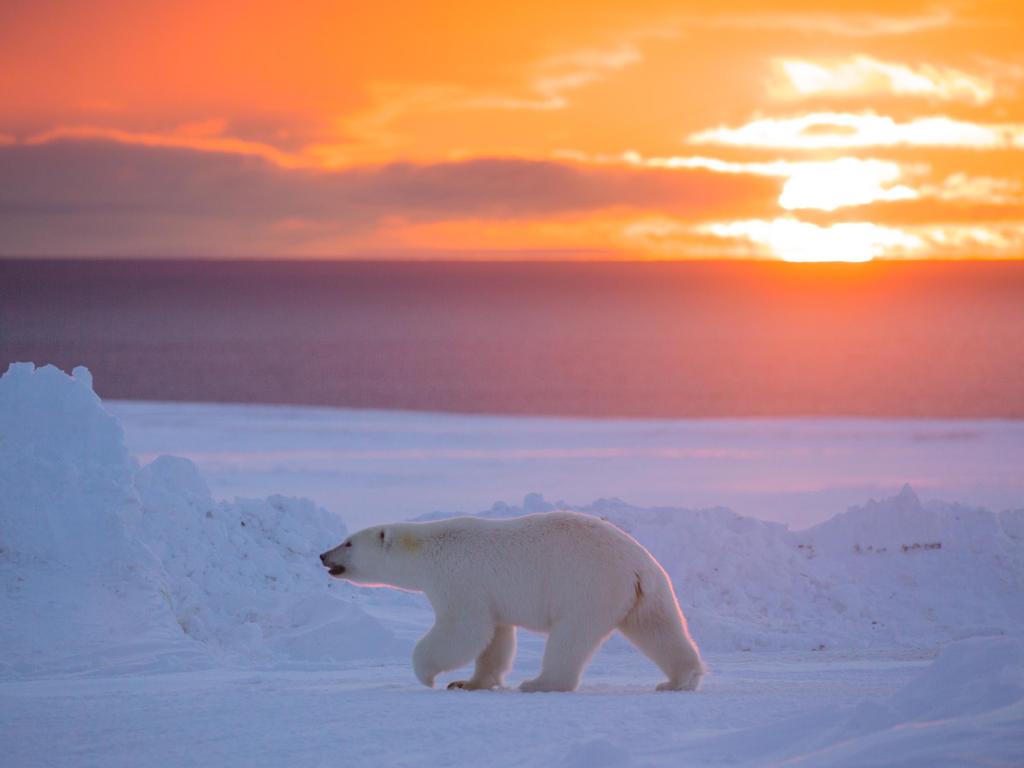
(382,535)
(348,543)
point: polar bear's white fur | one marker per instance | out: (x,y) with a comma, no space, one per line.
(574,577)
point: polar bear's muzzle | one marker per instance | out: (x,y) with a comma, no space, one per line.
(334,570)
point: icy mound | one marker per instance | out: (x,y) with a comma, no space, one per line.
(76,584)
(972,693)
(941,570)
(62,457)
(105,564)
(244,576)
(968,678)
(891,573)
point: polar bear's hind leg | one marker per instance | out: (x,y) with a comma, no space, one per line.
(494,663)
(656,626)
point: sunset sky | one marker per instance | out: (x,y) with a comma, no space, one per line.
(520,129)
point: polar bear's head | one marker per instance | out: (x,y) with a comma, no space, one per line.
(379,556)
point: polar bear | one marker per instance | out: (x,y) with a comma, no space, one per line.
(572,576)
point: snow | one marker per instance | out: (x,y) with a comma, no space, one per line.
(888,574)
(974,690)
(369,465)
(144,620)
(108,565)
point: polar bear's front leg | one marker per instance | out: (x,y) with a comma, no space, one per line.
(493,663)
(451,643)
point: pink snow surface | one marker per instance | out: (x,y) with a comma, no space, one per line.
(111,569)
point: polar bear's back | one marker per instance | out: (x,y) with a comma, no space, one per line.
(531,569)
(572,536)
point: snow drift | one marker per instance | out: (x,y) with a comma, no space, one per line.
(966,708)
(891,573)
(106,564)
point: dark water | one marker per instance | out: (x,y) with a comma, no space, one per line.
(678,339)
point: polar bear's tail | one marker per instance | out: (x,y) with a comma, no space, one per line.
(656,626)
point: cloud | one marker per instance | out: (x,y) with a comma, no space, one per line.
(62,188)
(846,181)
(830,23)
(548,87)
(559,75)
(845,130)
(794,240)
(893,191)
(860,76)
(202,137)
(1003,240)
(821,184)
(925,211)
(667,238)
(550,82)
(961,187)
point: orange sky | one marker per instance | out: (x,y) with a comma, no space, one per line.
(587,130)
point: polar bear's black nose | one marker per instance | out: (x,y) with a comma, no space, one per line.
(323,558)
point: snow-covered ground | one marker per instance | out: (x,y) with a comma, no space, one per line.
(145,620)
(369,466)
(963,710)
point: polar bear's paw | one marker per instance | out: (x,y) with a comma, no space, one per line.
(539,685)
(472,685)
(691,682)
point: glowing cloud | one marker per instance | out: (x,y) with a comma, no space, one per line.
(838,24)
(793,240)
(961,187)
(833,184)
(863,76)
(559,75)
(826,129)
(843,130)
(999,240)
(824,185)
